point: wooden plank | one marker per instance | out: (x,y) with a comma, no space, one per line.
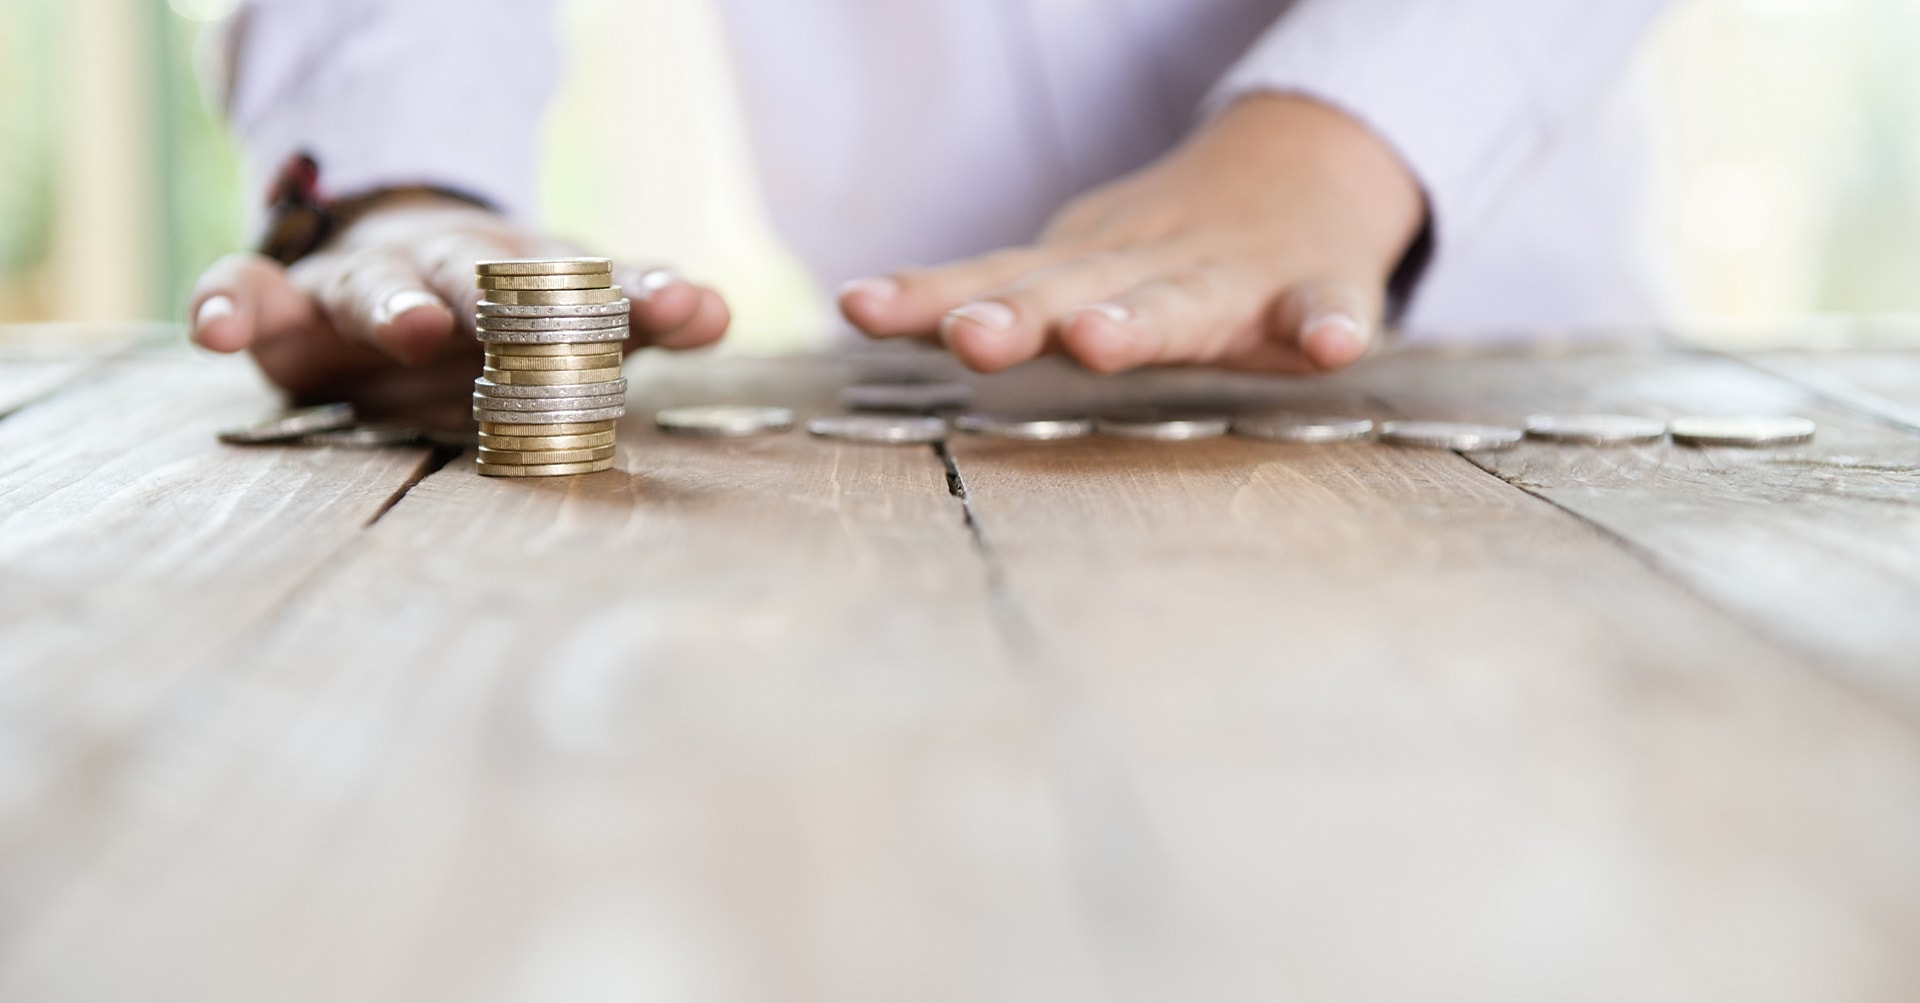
(38,359)
(1414,734)
(735,724)
(1818,546)
(1882,382)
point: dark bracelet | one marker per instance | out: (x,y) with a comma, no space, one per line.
(300,220)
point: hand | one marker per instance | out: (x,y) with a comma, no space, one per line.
(385,312)
(1265,242)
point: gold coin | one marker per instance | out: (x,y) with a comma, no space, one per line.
(537,457)
(552,363)
(506,348)
(528,442)
(552,378)
(544,469)
(552,297)
(600,280)
(544,266)
(569,428)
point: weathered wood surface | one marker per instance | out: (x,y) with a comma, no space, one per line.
(785,719)
(36,360)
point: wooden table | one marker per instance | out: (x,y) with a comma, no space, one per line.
(785,719)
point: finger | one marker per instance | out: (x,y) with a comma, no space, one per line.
(1016,322)
(912,302)
(239,296)
(663,303)
(707,325)
(379,298)
(1199,315)
(1332,322)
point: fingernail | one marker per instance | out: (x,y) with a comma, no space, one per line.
(990,314)
(402,303)
(880,289)
(652,282)
(1112,311)
(1335,335)
(213,309)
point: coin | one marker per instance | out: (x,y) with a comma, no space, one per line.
(580,403)
(484,387)
(550,350)
(514,325)
(551,378)
(914,397)
(574,428)
(513,312)
(544,266)
(1596,429)
(367,437)
(1449,435)
(536,442)
(493,416)
(598,280)
(553,297)
(1030,427)
(544,469)
(880,428)
(1284,426)
(1753,431)
(553,363)
(727,420)
(539,456)
(291,425)
(1161,425)
(600,336)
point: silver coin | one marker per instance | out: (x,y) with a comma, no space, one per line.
(1161,425)
(723,420)
(548,417)
(367,437)
(290,426)
(911,397)
(484,387)
(880,428)
(551,323)
(1029,427)
(621,308)
(1751,431)
(1289,427)
(603,336)
(548,403)
(1449,435)
(1596,429)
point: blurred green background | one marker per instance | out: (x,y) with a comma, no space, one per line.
(1787,159)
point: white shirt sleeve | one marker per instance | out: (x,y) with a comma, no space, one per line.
(1468,92)
(442,92)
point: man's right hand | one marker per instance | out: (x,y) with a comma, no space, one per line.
(384,312)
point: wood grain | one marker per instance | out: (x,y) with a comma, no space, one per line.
(38,359)
(1413,733)
(730,723)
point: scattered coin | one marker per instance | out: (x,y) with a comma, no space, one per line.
(1161,425)
(1029,427)
(1754,431)
(291,426)
(723,420)
(367,437)
(919,398)
(879,428)
(1289,427)
(1596,429)
(1449,435)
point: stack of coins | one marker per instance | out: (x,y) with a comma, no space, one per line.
(552,391)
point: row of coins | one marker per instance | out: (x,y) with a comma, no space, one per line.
(551,392)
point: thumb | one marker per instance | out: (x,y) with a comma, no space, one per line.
(1331,322)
